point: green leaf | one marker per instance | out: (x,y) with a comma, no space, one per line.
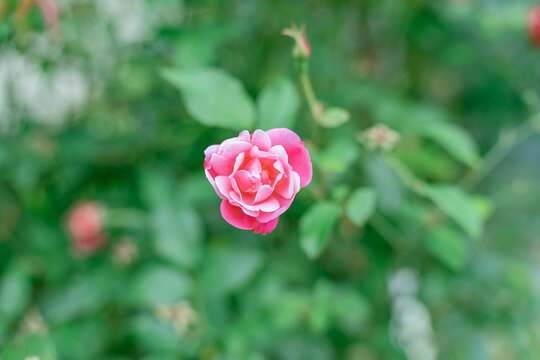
(226,270)
(455,203)
(334,117)
(29,346)
(278,105)
(338,156)
(83,295)
(15,292)
(361,205)
(155,335)
(161,285)
(453,139)
(67,339)
(430,122)
(316,226)
(176,227)
(390,191)
(213,97)
(447,245)
(178,234)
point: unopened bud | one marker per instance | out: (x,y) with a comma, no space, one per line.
(302,47)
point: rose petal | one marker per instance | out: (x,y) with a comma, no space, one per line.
(264,192)
(285,188)
(213,183)
(233,148)
(280,152)
(255,152)
(250,212)
(279,166)
(254,167)
(211,150)
(236,217)
(266,228)
(244,180)
(235,187)
(298,155)
(269,205)
(224,185)
(220,164)
(284,204)
(261,140)
(244,136)
(239,161)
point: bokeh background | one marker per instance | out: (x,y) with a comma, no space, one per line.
(426,251)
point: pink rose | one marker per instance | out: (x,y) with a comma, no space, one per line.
(257,176)
(534,24)
(85,226)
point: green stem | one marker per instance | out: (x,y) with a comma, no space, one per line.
(309,93)
(387,231)
(406,176)
(497,154)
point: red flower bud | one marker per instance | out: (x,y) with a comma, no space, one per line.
(85,227)
(304,43)
(534,24)
(302,48)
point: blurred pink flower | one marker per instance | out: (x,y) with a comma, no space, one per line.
(258,176)
(49,11)
(85,226)
(534,24)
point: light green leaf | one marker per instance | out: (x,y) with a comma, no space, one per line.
(29,346)
(155,335)
(390,191)
(161,285)
(177,228)
(455,203)
(453,139)
(278,105)
(178,234)
(361,205)
(316,226)
(229,269)
(213,97)
(334,117)
(429,122)
(447,245)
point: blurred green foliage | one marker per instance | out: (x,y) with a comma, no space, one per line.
(425,251)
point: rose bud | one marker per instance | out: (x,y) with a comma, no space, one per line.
(302,48)
(85,227)
(534,24)
(258,176)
